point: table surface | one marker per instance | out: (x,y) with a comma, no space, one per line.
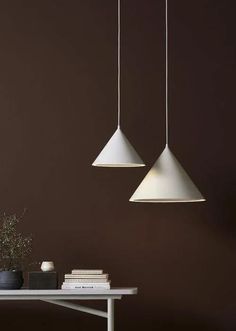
(64,293)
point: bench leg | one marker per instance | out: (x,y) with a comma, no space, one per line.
(110,314)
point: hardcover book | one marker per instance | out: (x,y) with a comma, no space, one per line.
(87,272)
(87,280)
(83,276)
(72,286)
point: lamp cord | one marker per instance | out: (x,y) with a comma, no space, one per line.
(118,67)
(167,124)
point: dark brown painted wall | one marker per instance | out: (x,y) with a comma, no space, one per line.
(57,110)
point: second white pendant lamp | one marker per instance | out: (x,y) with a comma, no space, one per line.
(118,152)
(167,181)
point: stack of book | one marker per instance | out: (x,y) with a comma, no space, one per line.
(86,279)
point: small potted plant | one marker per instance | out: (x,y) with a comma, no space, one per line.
(14,250)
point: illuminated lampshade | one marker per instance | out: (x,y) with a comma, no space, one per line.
(167,181)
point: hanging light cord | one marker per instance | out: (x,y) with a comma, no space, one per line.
(167,124)
(118,76)
(118,67)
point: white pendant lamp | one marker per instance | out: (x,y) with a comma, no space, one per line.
(167,181)
(118,152)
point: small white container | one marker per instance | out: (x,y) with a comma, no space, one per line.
(47,266)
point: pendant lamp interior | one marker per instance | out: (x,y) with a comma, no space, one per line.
(118,152)
(167,181)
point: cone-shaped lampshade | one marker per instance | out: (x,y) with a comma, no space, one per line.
(118,152)
(167,181)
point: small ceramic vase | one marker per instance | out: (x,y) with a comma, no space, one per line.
(47,266)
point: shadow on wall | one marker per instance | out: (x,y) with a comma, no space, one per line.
(175,321)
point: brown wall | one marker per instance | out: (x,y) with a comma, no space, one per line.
(58,108)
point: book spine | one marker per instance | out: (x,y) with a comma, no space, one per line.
(87,280)
(88,272)
(84,286)
(86,283)
(70,276)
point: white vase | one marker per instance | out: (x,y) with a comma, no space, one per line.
(47,266)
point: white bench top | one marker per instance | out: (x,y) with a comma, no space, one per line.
(26,294)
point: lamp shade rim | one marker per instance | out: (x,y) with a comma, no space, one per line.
(120,165)
(167,200)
